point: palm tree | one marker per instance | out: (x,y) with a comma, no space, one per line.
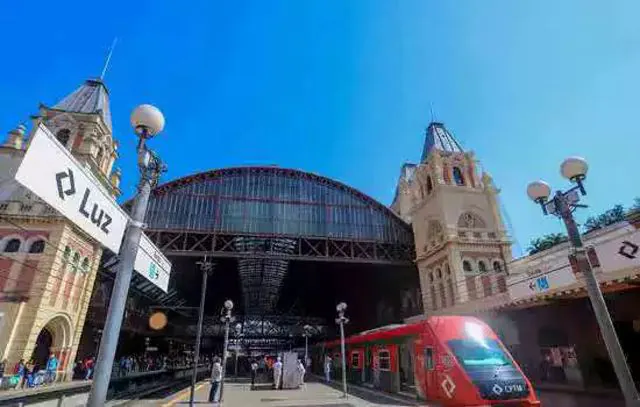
(546,242)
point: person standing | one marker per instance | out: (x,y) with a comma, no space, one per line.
(88,364)
(301,372)
(327,369)
(216,378)
(254,373)
(52,367)
(277,372)
(19,372)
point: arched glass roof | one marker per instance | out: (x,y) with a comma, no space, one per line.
(272,201)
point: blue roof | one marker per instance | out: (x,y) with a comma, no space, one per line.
(438,137)
(91,97)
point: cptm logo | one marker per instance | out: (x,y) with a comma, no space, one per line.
(153,271)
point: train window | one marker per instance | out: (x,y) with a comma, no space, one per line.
(384,360)
(472,353)
(355,360)
(428,358)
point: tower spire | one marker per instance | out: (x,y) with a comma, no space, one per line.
(439,138)
(106,62)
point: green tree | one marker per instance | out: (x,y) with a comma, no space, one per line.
(613,215)
(546,242)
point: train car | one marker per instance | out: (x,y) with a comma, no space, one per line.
(450,360)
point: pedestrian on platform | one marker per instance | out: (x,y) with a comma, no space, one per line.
(254,373)
(277,372)
(88,364)
(52,367)
(301,372)
(216,378)
(327,369)
(3,366)
(19,371)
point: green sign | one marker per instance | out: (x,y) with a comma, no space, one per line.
(153,271)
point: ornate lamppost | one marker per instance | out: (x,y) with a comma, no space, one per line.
(342,320)
(562,205)
(227,319)
(147,121)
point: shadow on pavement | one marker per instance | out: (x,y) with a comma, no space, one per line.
(371,396)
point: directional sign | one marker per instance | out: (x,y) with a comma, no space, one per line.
(152,264)
(620,253)
(51,172)
(521,287)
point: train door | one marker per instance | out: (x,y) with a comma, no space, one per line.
(368,365)
(430,371)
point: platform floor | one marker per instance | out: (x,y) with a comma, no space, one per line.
(313,395)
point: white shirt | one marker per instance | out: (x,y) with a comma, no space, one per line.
(216,372)
(277,366)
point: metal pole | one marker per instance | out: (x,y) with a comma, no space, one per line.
(109,341)
(194,375)
(344,360)
(618,359)
(224,351)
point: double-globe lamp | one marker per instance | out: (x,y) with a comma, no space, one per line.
(562,205)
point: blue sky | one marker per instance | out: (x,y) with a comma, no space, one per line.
(343,88)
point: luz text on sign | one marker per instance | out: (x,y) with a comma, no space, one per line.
(52,173)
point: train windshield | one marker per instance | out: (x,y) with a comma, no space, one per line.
(473,353)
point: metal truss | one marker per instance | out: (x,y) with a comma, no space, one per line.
(263,327)
(197,244)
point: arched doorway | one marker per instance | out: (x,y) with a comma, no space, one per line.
(43,347)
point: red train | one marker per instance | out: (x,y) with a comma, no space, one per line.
(452,360)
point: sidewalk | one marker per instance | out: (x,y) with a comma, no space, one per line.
(314,394)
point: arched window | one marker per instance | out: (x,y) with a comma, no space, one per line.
(63,136)
(85,265)
(76,261)
(447,270)
(431,277)
(99,156)
(67,253)
(429,185)
(482,268)
(466,266)
(37,246)
(497,267)
(470,220)
(12,246)
(457,176)
(438,273)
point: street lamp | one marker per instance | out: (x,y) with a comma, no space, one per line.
(562,205)
(147,122)
(226,318)
(341,320)
(306,332)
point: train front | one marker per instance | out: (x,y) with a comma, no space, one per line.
(494,374)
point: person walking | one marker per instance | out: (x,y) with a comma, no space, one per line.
(216,378)
(327,369)
(51,369)
(277,372)
(301,372)
(88,364)
(254,373)
(19,371)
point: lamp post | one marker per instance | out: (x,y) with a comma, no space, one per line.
(206,267)
(341,320)
(306,333)
(147,122)
(562,205)
(227,319)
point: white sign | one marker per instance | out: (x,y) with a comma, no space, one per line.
(152,264)
(51,172)
(524,287)
(620,253)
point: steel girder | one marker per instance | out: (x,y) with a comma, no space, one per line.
(197,244)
